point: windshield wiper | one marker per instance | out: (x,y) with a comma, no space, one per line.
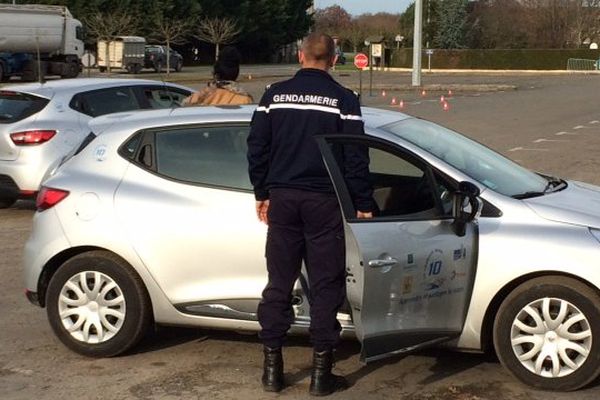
(553,185)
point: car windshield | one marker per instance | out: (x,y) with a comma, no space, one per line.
(153,49)
(473,159)
(15,106)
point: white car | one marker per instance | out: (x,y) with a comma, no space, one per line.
(153,221)
(41,123)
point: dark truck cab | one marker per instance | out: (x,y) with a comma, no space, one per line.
(155,57)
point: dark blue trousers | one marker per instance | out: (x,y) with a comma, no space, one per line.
(307,226)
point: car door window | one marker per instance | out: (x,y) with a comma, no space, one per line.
(164,97)
(105,101)
(406,188)
(214,156)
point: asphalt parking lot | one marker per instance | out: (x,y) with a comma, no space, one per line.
(550,123)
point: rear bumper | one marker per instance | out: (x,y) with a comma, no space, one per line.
(26,175)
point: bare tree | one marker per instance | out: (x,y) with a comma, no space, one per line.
(355,35)
(218,31)
(107,26)
(172,31)
(332,20)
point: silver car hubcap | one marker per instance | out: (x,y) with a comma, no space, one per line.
(91,307)
(551,337)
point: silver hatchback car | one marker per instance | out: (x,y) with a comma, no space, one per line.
(39,124)
(153,221)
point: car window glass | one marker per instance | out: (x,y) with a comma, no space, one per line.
(475,160)
(400,187)
(129,148)
(204,155)
(164,97)
(15,106)
(108,101)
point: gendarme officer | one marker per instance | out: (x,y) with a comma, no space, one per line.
(295,197)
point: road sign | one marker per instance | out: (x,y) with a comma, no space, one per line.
(361,60)
(376,49)
(88,60)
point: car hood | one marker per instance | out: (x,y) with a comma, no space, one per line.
(578,204)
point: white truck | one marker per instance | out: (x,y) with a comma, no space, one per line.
(29,33)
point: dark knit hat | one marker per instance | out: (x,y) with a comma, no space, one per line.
(227,67)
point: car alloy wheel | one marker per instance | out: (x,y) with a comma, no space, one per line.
(551,337)
(547,333)
(97,304)
(92,307)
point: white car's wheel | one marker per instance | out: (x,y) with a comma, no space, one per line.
(97,305)
(547,333)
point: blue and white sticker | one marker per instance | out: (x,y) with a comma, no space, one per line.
(101,152)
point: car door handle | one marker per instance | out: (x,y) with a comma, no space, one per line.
(388,262)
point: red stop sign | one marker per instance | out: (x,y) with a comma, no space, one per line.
(361,60)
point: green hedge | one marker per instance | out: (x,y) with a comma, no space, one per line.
(535,59)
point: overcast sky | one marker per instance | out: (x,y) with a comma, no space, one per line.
(357,7)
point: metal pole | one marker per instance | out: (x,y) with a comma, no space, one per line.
(371,69)
(418,43)
(360,83)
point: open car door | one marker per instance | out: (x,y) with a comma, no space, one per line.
(410,271)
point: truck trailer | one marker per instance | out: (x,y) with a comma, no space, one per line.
(32,33)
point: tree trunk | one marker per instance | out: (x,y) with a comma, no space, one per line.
(168,55)
(216,52)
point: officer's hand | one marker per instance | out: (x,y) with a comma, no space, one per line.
(261,210)
(364,215)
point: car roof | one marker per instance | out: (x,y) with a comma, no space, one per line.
(147,119)
(48,89)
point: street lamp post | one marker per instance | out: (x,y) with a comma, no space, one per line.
(418,43)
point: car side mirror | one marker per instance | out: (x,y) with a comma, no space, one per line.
(466,206)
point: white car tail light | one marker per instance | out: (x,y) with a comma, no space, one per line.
(28,138)
(49,197)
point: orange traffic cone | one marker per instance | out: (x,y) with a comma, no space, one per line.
(442,99)
(446,106)
(450,93)
(394,101)
(249,77)
(383,94)
(423,93)
(401,105)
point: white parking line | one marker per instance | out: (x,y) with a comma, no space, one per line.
(526,149)
(564,133)
(594,122)
(579,127)
(548,140)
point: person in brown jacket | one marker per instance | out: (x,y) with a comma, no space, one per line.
(223,89)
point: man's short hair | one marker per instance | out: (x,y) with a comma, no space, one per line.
(318,47)
(227,67)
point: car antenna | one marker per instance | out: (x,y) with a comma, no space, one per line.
(165,86)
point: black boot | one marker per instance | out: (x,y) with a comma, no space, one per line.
(322,381)
(272,378)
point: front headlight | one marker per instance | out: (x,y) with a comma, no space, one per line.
(595,233)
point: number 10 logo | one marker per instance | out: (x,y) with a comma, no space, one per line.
(435,268)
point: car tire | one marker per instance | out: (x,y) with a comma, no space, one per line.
(2,75)
(71,70)
(158,67)
(107,316)
(555,318)
(179,66)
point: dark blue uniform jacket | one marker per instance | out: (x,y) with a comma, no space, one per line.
(282,152)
